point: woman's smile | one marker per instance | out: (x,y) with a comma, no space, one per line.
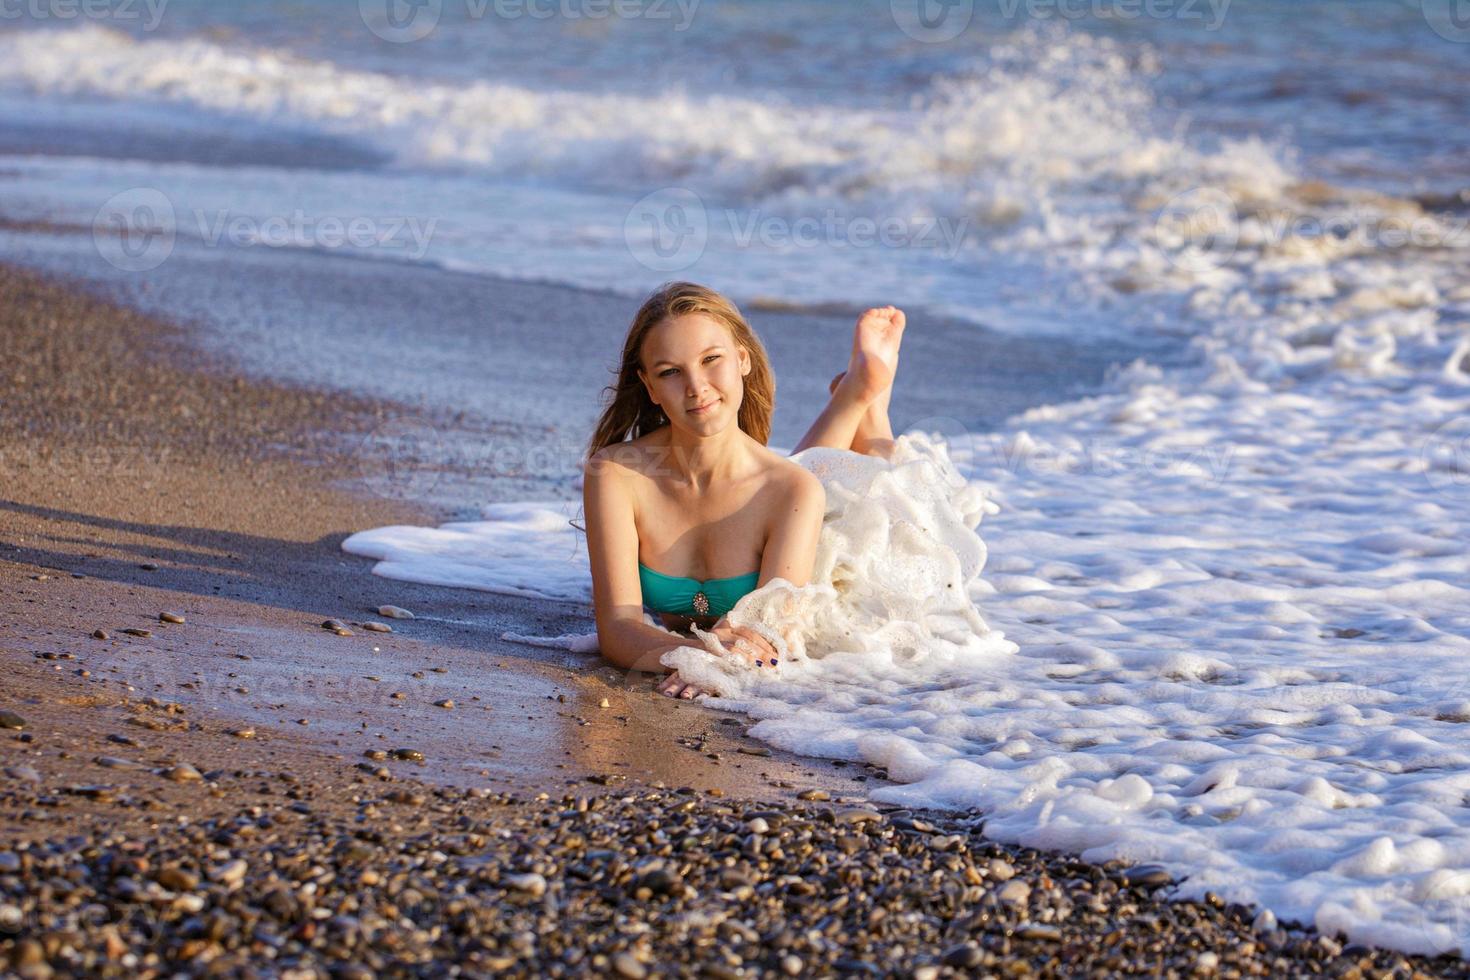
(704,409)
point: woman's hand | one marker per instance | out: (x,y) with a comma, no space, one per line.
(675,686)
(746,642)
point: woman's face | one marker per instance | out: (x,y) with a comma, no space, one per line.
(694,371)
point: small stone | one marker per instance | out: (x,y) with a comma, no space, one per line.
(333,624)
(444,703)
(27,773)
(1000,870)
(758,825)
(1038,932)
(344,631)
(759,750)
(814,795)
(791,965)
(394,612)
(965,956)
(182,773)
(858,815)
(1265,921)
(102,634)
(1207,962)
(628,966)
(11,720)
(604,703)
(230,873)
(177,879)
(1014,892)
(408,755)
(135,631)
(1146,876)
(113,762)
(377,627)
(532,884)
(171,617)
(243,732)
(148,566)
(378,755)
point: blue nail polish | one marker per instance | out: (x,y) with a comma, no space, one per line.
(760,663)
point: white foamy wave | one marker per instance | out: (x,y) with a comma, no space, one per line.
(1051,114)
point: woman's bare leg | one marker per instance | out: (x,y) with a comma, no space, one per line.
(874,436)
(856,417)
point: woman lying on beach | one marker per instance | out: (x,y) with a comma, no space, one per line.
(687,510)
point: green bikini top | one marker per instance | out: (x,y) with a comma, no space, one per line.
(691,596)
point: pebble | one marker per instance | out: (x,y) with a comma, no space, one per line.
(1014,892)
(965,956)
(444,703)
(148,566)
(182,773)
(628,966)
(999,870)
(407,755)
(759,750)
(394,612)
(533,884)
(11,720)
(1146,876)
(27,773)
(243,732)
(171,617)
(231,872)
(101,634)
(814,795)
(113,762)
(377,627)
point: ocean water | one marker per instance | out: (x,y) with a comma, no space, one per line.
(1233,589)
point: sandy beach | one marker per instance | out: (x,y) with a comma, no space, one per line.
(250,792)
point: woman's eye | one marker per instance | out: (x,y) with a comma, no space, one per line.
(712,357)
(668,371)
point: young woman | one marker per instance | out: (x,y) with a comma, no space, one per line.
(687,510)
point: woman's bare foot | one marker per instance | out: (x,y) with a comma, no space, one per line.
(874,359)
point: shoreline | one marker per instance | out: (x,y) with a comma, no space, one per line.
(126,448)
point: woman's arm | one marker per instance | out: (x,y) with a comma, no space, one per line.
(791,547)
(612,549)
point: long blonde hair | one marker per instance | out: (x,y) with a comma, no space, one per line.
(631,413)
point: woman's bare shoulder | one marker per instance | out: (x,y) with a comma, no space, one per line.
(635,457)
